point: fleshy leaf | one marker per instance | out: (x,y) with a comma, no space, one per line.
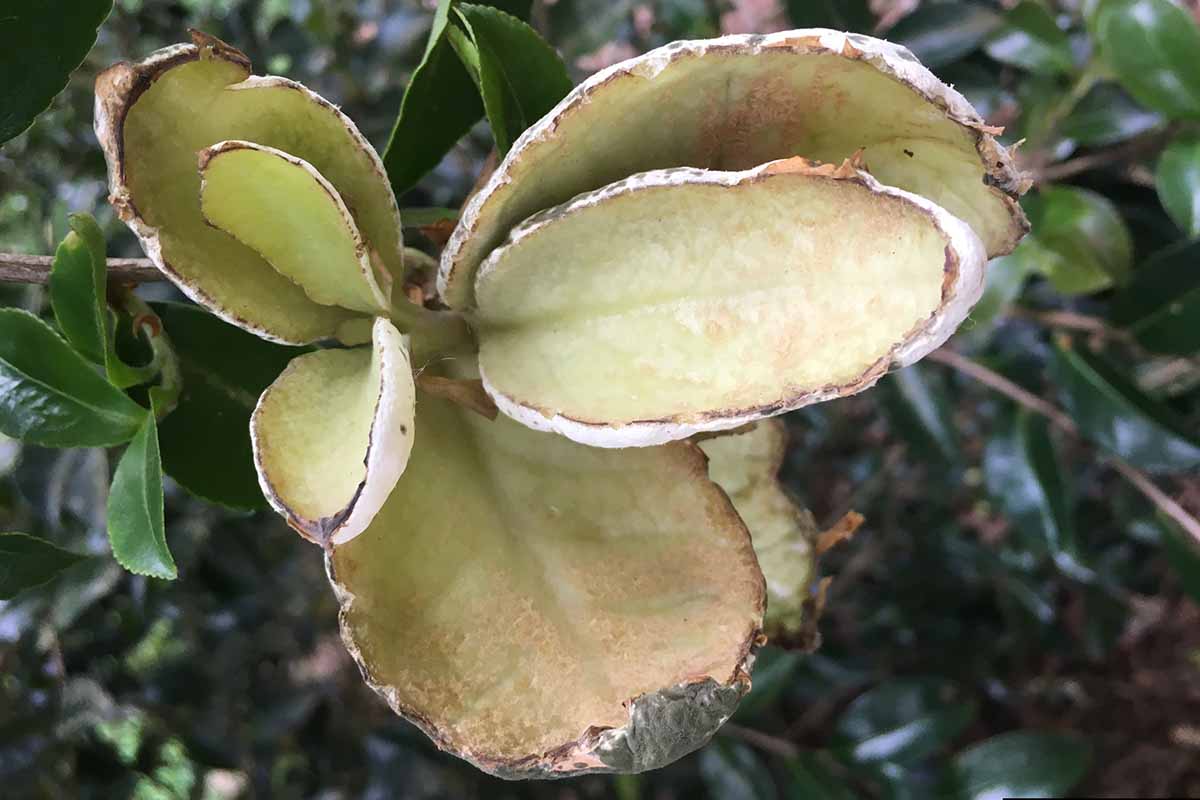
(283,209)
(202,94)
(737,102)
(746,465)
(51,396)
(27,561)
(136,529)
(544,609)
(685,300)
(333,433)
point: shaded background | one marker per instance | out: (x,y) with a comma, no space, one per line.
(1007,582)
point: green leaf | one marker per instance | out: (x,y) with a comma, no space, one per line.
(1184,557)
(1178,182)
(27,561)
(1019,764)
(942,33)
(1107,115)
(1003,282)
(41,43)
(136,529)
(1024,478)
(903,721)
(1079,241)
(920,411)
(841,15)
(773,671)
(51,396)
(810,779)
(1113,412)
(1161,305)
(1151,45)
(1032,40)
(205,441)
(440,105)
(732,771)
(520,76)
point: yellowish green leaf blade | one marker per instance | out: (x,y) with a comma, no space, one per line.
(542,608)
(737,102)
(681,301)
(283,209)
(333,434)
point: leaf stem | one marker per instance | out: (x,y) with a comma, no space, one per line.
(1140,480)
(170,385)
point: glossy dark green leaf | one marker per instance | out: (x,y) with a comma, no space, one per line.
(841,15)
(808,778)
(1019,764)
(136,529)
(902,721)
(732,771)
(206,439)
(51,396)
(917,405)
(1107,115)
(1032,40)
(1161,305)
(1183,555)
(440,105)
(1080,243)
(1178,182)
(520,76)
(27,561)
(941,33)
(41,43)
(1151,45)
(1113,412)
(773,672)
(1003,282)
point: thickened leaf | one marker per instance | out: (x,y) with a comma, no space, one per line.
(737,102)
(1113,412)
(746,465)
(283,209)
(1178,181)
(1080,241)
(1019,764)
(542,608)
(685,300)
(205,441)
(1151,45)
(1161,305)
(520,76)
(440,105)
(41,43)
(203,94)
(27,561)
(1031,39)
(136,529)
(332,435)
(51,396)
(902,721)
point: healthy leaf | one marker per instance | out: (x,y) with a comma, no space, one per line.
(903,720)
(1161,305)
(1004,280)
(705,281)
(41,43)
(732,771)
(136,529)
(941,33)
(840,15)
(1183,555)
(809,778)
(918,407)
(1178,181)
(1113,412)
(1032,40)
(520,76)
(333,433)
(574,548)
(51,396)
(773,670)
(1107,115)
(1080,242)
(440,105)
(1019,764)
(27,561)
(205,441)
(1151,45)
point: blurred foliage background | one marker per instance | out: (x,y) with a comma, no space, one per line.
(1015,618)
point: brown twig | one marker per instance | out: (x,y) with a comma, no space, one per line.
(763,741)
(1109,156)
(1140,480)
(15,268)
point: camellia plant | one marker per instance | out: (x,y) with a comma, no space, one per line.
(688,243)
